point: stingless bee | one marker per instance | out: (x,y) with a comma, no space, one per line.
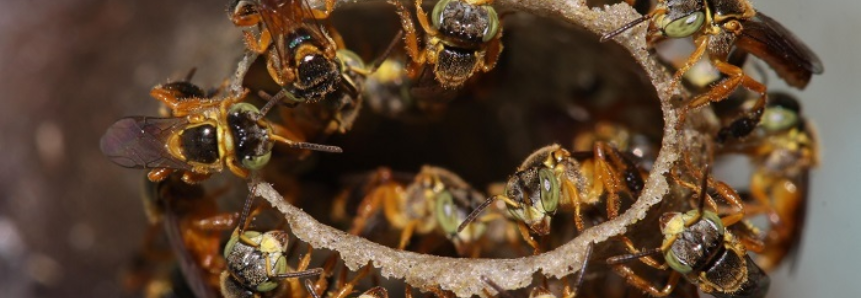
(461,38)
(203,136)
(720,27)
(301,56)
(699,246)
(783,149)
(552,177)
(435,200)
(256,263)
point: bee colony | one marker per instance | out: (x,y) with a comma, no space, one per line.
(480,147)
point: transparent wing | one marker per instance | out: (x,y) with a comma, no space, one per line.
(140,142)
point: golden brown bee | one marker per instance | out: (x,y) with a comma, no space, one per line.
(720,27)
(190,219)
(256,263)
(203,136)
(552,177)
(461,38)
(435,200)
(193,224)
(640,147)
(699,246)
(783,149)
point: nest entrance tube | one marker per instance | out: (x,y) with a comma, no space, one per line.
(463,276)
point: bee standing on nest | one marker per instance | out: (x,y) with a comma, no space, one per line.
(308,61)
(720,27)
(203,136)
(462,37)
(302,57)
(699,246)
(783,149)
(552,177)
(435,200)
(256,264)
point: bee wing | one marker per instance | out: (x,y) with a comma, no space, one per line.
(803,183)
(786,54)
(140,142)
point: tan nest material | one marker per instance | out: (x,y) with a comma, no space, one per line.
(460,275)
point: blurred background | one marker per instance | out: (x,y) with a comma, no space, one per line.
(70,220)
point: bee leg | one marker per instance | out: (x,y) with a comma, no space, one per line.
(648,260)
(323,280)
(178,103)
(407,233)
(346,289)
(324,14)
(411,39)
(524,232)
(604,174)
(635,280)
(494,49)
(279,74)
(569,190)
(159,174)
(724,88)
(423,19)
(367,208)
(759,186)
(194,178)
(376,292)
(255,44)
(701,44)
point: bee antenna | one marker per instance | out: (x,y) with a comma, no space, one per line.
(625,27)
(474,214)
(704,188)
(582,272)
(317,147)
(270,101)
(190,74)
(502,292)
(309,286)
(629,257)
(379,61)
(304,273)
(246,207)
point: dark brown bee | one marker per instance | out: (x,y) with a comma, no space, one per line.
(462,37)
(720,27)
(203,136)
(699,247)
(783,148)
